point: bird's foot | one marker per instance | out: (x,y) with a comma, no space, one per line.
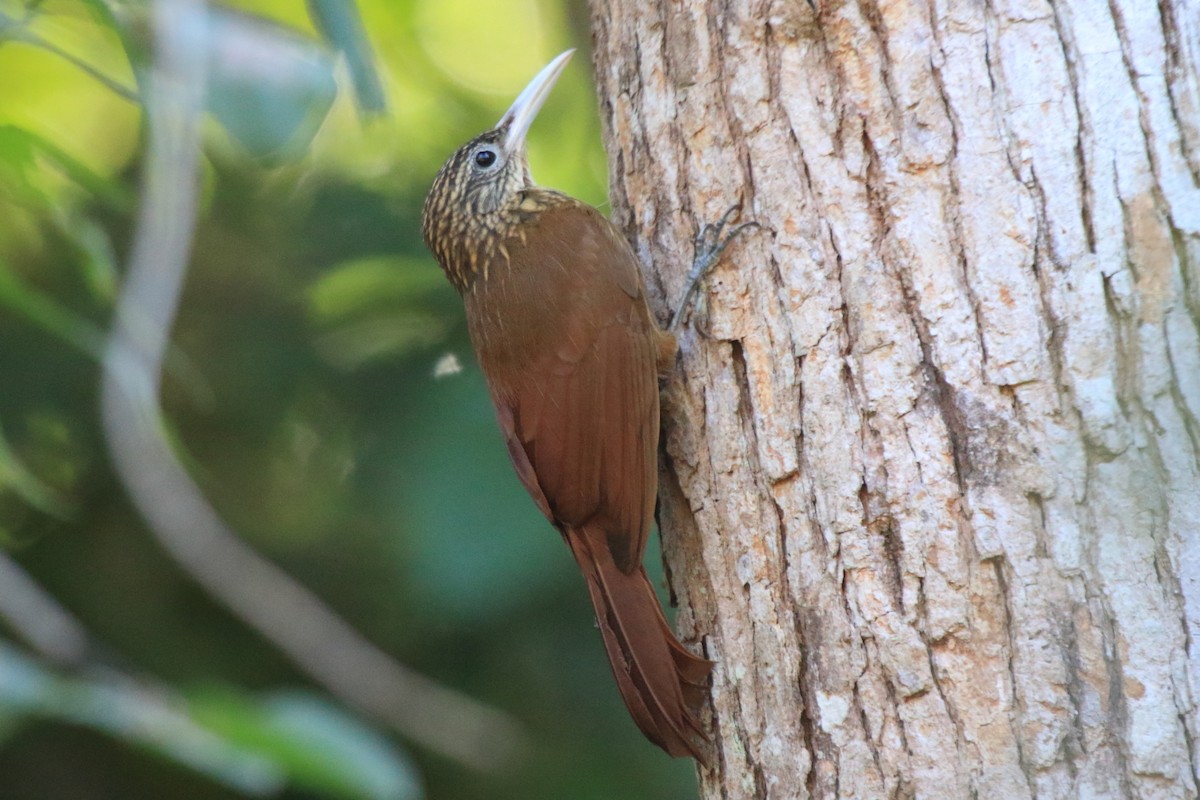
(710,243)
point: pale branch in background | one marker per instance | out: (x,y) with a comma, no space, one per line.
(262,595)
(38,618)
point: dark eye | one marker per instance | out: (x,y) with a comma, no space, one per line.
(485,158)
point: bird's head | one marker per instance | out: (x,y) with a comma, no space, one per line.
(486,174)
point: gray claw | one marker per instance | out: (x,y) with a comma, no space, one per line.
(710,243)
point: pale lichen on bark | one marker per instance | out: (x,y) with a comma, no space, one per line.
(932,494)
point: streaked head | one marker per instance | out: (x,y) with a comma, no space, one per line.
(488,172)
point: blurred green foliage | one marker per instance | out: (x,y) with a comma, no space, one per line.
(301,389)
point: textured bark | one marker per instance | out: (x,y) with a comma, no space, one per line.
(932,490)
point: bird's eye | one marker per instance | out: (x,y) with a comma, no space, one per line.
(485,158)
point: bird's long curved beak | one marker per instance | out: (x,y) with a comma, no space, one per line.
(516,121)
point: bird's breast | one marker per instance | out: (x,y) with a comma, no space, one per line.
(517,309)
(546,289)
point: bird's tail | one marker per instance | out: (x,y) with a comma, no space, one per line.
(661,682)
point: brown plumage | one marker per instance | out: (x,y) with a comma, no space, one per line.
(557,314)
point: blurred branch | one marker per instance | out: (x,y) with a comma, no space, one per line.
(261,594)
(37,617)
(136,712)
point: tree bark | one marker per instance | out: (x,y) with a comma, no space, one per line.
(931,497)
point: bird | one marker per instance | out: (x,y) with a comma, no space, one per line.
(557,314)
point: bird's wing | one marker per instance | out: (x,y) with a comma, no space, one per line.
(569,350)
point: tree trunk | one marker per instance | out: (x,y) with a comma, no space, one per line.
(931,497)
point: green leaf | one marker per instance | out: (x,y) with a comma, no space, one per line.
(376,308)
(18,168)
(47,314)
(18,29)
(44,312)
(113,194)
(320,746)
(360,342)
(134,714)
(94,255)
(354,287)
(102,12)
(19,152)
(341,25)
(16,476)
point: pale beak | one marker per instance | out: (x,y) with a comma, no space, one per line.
(516,121)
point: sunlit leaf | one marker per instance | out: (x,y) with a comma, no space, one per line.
(19,153)
(18,165)
(103,12)
(21,28)
(481,48)
(113,194)
(339,22)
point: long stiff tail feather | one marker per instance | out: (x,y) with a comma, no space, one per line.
(661,683)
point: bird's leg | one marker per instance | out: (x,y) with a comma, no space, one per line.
(710,243)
